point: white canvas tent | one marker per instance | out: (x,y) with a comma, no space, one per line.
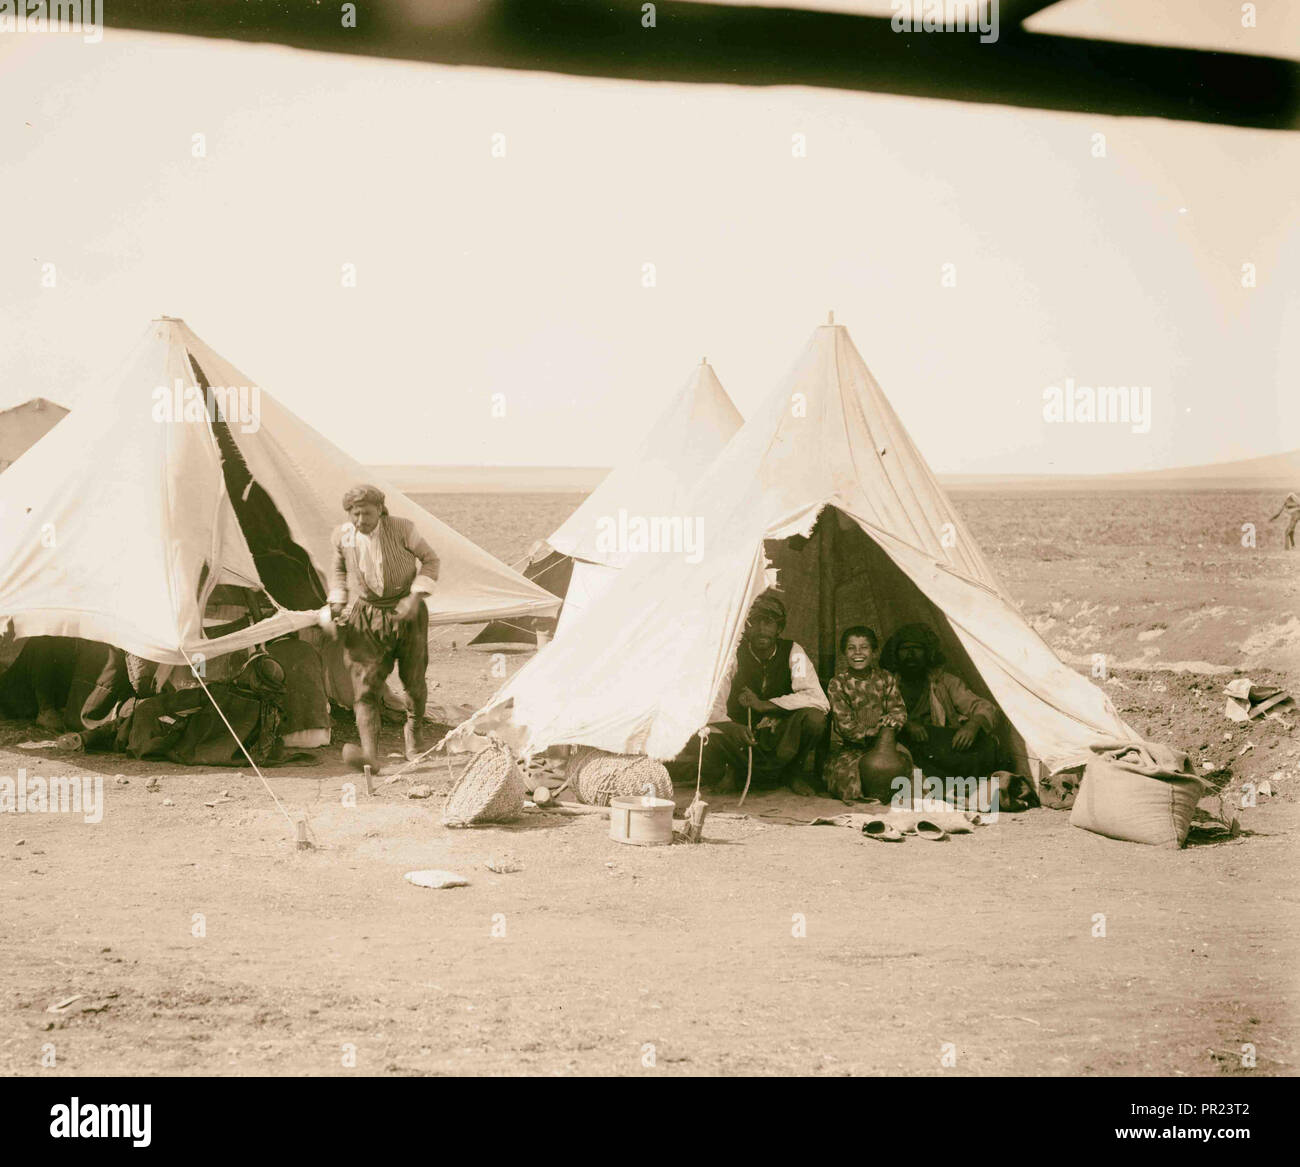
(120,524)
(580,560)
(22,426)
(824,492)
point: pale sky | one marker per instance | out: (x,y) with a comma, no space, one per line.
(522,275)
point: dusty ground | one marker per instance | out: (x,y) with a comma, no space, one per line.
(594,952)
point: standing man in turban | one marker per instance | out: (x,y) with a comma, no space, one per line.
(383,569)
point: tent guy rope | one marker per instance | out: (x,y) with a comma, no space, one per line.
(203,685)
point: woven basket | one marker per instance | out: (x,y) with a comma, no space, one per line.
(490,791)
(596,776)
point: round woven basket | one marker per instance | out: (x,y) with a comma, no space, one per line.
(490,791)
(596,777)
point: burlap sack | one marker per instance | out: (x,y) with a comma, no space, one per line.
(1138,792)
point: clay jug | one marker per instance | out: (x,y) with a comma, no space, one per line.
(881,764)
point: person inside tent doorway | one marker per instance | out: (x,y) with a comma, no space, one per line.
(770,702)
(383,569)
(950,731)
(865,703)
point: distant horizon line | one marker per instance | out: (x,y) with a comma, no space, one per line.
(585,469)
(506,468)
(521,479)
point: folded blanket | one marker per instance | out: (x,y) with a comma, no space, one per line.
(1155,759)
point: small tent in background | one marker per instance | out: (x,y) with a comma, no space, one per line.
(22,426)
(655,481)
(824,493)
(140,517)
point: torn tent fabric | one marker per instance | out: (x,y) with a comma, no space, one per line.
(120,524)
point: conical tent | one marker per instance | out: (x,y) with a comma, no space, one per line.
(182,476)
(660,475)
(581,558)
(824,493)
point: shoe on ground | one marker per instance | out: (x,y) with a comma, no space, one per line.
(880,829)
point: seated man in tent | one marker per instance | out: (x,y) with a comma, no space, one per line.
(186,727)
(64,682)
(383,569)
(306,705)
(771,702)
(950,730)
(34,684)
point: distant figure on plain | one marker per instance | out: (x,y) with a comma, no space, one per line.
(1291,508)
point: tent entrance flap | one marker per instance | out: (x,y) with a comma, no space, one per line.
(838,576)
(284,567)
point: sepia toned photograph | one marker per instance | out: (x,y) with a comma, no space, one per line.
(598,539)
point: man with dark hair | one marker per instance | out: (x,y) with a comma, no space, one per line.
(950,731)
(770,702)
(865,706)
(383,569)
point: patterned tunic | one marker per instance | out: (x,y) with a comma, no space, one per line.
(862,704)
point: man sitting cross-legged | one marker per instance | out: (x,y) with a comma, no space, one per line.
(770,701)
(949,730)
